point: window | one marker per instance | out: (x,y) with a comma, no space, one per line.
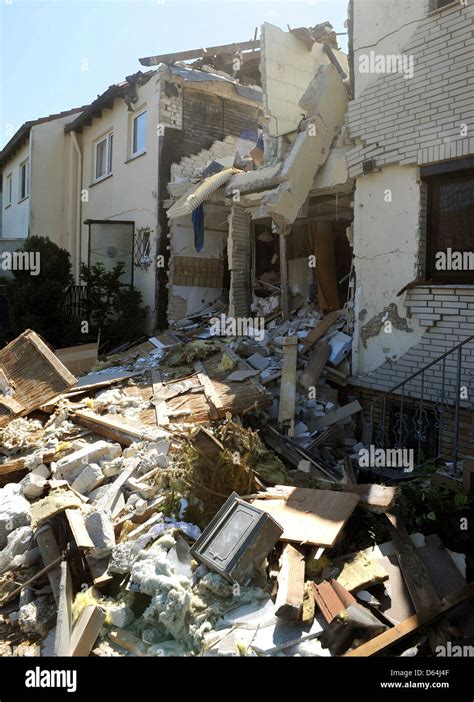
(9,191)
(111,242)
(450,227)
(142,248)
(103,157)
(24,177)
(139,134)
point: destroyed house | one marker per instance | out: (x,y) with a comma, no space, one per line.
(122,148)
(243,230)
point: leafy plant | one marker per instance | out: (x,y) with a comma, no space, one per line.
(114,309)
(35,301)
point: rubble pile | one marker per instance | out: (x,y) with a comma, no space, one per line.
(192,495)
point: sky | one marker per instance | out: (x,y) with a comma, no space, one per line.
(59,54)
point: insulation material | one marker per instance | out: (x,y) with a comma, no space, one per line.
(200,193)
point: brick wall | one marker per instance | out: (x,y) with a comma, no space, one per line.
(418,120)
(448,314)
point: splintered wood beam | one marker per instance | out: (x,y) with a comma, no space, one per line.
(417,578)
(200,53)
(423,618)
(286,409)
(320,329)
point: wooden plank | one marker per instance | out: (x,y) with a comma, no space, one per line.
(417,578)
(289,599)
(78,528)
(212,397)
(124,432)
(315,365)
(35,373)
(337,416)
(373,497)
(86,630)
(310,516)
(408,626)
(331,598)
(11,595)
(50,553)
(78,359)
(320,329)
(62,641)
(206,444)
(198,53)
(162,419)
(286,408)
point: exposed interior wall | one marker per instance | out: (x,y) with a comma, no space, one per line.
(130,193)
(187,299)
(386,239)
(287,68)
(15,216)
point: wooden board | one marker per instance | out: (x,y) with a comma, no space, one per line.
(310,516)
(337,416)
(315,365)
(408,626)
(78,359)
(62,641)
(78,528)
(86,630)
(35,373)
(417,578)
(286,408)
(289,599)
(320,329)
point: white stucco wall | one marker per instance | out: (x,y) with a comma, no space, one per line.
(385,27)
(16,215)
(130,193)
(48,181)
(385,256)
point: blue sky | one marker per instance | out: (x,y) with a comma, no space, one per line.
(60,54)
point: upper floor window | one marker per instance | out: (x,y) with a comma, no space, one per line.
(8,190)
(139,134)
(439,4)
(23,190)
(103,157)
(450,227)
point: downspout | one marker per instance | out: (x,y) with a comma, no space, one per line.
(79,206)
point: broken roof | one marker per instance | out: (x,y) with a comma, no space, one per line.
(22,134)
(106,100)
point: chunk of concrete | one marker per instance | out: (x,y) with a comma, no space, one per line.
(70,467)
(88,479)
(15,511)
(33,485)
(101,530)
(36,617)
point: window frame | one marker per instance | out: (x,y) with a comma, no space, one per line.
(431,274)
(9,190)
(134,122)
(24,167)
(108,138)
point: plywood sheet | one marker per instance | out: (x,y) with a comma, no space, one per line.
(315,517)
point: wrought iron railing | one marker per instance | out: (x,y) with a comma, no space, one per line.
(75,304)
(423,412)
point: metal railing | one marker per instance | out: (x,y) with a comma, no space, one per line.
(423,411)
(75,303)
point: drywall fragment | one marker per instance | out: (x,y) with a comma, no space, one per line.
(88,479)
(71,466)
(100,528)
(14,511)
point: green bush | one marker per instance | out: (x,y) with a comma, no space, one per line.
(114,309)
(35,301)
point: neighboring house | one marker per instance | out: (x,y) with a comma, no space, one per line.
(413,165)
(120,155)
(33,181)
